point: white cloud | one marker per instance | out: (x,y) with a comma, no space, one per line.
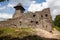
(5,15)
(57,3)
(53,4)
(15,2)
(37,6)
(55,7)
(11,3)
(18,1)
(45,5)
(2,7)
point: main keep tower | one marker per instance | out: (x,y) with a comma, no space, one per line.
(18,11)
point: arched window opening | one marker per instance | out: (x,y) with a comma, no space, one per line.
(46,26)
(51,31)
(37,22)
(20,23)
(46,15)
(31,21)
(14,25)
(41,15)
(34,15)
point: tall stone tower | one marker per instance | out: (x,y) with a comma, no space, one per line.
(18,11)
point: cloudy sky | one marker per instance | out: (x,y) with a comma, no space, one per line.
(7,10)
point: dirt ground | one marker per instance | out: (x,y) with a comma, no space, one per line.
(55,33)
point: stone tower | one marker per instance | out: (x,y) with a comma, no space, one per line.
(18,10)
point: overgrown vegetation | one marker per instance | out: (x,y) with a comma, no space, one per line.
(18,33)
(57,22)
(2,0)
(57,28)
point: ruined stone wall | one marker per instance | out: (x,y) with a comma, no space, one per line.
(41,19)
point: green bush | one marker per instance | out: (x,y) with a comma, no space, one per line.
(2,0)
(57,21)
(57,28)
(1,31)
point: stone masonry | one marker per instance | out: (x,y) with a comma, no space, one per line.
(41,19)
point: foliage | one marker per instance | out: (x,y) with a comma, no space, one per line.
(2,0)
(57,21)
(57,28)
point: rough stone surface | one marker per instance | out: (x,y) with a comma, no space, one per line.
(41,19)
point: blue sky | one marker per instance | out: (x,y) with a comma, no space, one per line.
(37,1)
(4,9)
(3,3)
(40,1)
(7,10)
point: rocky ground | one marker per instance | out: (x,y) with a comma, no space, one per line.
(54,35)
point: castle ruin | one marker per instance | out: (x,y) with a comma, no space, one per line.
(41,19)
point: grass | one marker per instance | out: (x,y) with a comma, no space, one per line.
(16,32)
(57,28)
(7,33)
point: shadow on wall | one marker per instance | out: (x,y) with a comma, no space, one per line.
(34,37)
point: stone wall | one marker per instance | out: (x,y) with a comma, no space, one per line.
(41,19)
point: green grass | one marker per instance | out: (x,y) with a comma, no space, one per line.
(57,28)
(16,32)
(7,33)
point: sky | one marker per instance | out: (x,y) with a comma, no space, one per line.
(7,10)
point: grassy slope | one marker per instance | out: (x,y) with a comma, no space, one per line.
(57,28)
(16,32)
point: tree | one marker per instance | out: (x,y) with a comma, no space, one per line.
(57,21)
(2,0)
